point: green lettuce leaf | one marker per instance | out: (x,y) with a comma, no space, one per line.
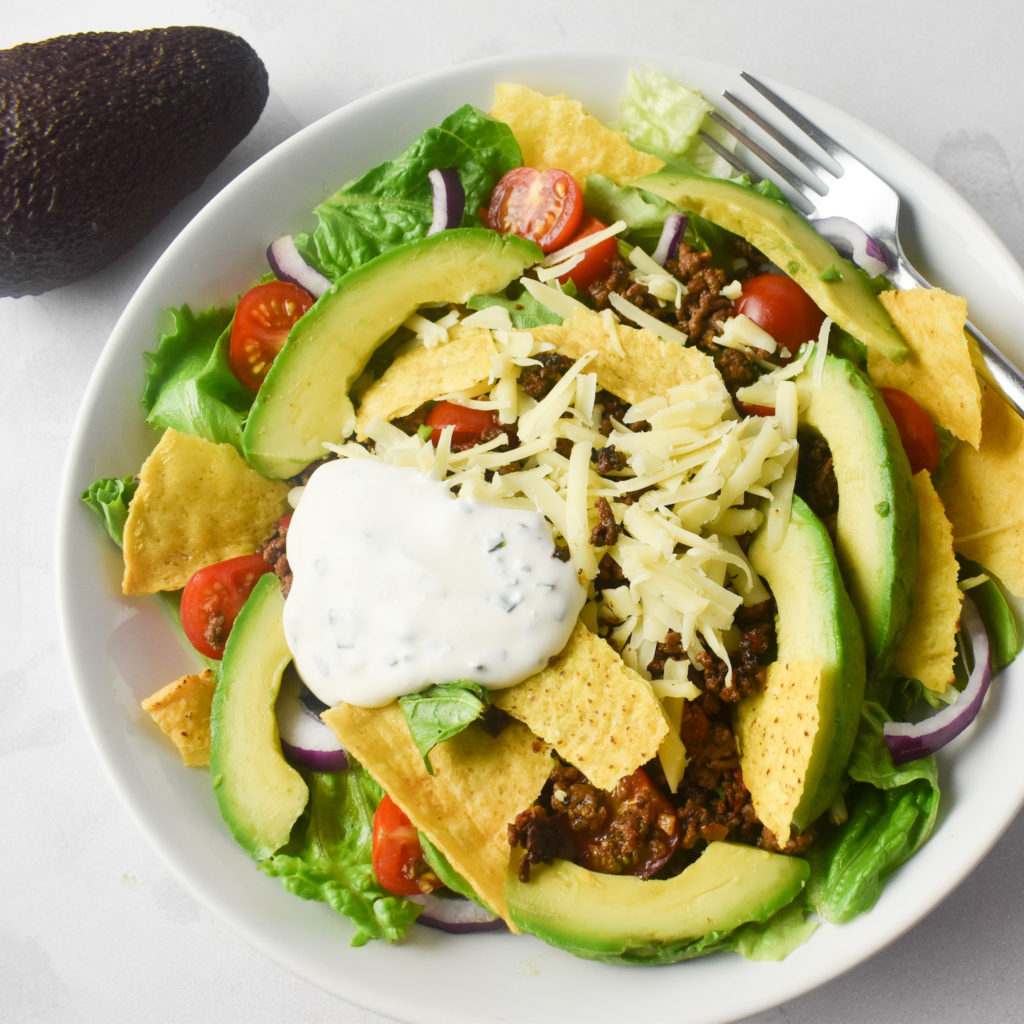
(524,310)
(329,856)
(392,203)
(109,499)
(996,612)
(189,383)
(440,712)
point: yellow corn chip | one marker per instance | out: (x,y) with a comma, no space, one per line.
(938,372)
(929,645)
(594,710)
(782,717)
(417,376)
(182,710)
(480,783)
(554,131)
(197,503)
(639,365)
(982,494)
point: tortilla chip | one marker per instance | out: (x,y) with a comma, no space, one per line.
(197,503)
(783,716)
(554,131)
(594,710)
(460,364)
(938,372)
(928,648)
(640,366)
(982,494)
(480,783)
(182,710)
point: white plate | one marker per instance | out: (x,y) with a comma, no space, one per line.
(121,650)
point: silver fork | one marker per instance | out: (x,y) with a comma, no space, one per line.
(855,193)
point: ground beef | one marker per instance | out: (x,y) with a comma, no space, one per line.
(606,531)
(607,460)
(275,555)
(816,478)
(537,381)
(216,631)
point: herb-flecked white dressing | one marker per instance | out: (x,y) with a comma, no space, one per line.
(397,585)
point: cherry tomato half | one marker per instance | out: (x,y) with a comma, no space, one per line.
(543,206)
(213,597)
(264,316)
(471,426)
(917,432)
(397,855)
(778,305)
(596,260)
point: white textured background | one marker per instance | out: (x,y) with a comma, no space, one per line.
(92,925)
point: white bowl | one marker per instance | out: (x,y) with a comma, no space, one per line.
(120,649)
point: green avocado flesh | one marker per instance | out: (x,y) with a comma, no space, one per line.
(786,238)
(876,527)
(815,622)
(259,794)
(610,917)
(304,400)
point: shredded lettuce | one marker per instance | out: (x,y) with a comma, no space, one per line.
(392,203)
(189,383)
(329,855)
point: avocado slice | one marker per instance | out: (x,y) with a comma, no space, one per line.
(795,735)
(304,400)
(622,917)
(840,289)
(876,526)
(104,133)
(259,794)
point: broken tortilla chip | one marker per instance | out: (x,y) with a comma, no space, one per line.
(783,716)
(593,709)
(460,364)
(982,490)
(636,364)
(938,373)
(182,710)
(480,783)
(555,131)
(928,648)
(197,503)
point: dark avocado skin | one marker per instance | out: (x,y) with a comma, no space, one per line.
(103,133)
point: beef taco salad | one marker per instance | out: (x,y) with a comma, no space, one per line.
(574,541)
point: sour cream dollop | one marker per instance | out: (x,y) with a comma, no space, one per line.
(397,585)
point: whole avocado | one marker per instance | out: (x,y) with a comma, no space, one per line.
(103,133)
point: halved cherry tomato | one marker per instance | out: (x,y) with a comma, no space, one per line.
(596,259)
(471,425)
(543,206)
(636,797)
(397,855)
(778,305)
(917,432)
(213,597)
(264,316)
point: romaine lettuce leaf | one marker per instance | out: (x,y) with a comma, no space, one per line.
(392,203)
(328,857)
(109,499)
(189,383)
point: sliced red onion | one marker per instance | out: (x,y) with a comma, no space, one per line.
(449,199)
(671,235)
(908,741)
(855,244)
(306,740)
(288,265)
(456,914)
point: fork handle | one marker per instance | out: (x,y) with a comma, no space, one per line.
(993,366)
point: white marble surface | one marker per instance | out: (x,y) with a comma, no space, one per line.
(93,927)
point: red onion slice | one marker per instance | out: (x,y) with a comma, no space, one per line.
(288,265)
(456,914)
(855,244)
(306,740)
(671,235)
(908,741)
(449,199)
